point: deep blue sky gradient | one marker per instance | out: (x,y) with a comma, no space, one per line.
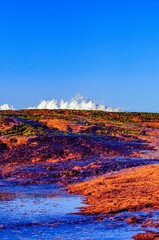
(105,50)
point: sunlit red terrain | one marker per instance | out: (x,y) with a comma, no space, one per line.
(110,158)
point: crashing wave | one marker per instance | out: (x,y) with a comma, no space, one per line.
(6,107)
(76,103)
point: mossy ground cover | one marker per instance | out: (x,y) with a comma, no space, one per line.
(22,130)
(123,123)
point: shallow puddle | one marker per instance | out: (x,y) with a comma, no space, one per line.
(46,212)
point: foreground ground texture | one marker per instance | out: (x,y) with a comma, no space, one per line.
(111,158)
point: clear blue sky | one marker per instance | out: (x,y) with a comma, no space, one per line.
(105,50)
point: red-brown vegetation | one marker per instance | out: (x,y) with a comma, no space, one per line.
(130,190)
